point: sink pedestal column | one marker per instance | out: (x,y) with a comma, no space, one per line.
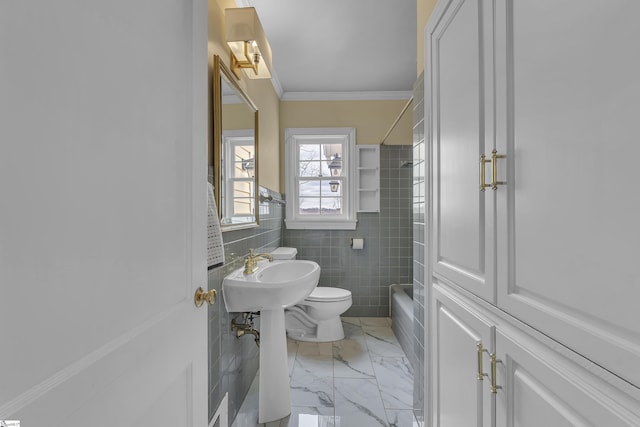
(273,387)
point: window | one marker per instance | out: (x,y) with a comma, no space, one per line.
(319,174)
(238,163)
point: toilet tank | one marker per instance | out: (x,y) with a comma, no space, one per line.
(284,253)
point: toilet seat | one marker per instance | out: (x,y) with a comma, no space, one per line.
(328,294)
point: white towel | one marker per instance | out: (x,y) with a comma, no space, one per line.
(215,245)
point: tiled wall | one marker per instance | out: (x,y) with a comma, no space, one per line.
(233,362)
(419,218)
(387,256)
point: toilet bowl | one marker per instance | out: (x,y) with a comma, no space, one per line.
(317,317)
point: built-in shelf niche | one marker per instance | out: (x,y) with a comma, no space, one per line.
(368,177)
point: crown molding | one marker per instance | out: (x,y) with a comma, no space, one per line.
(346,96)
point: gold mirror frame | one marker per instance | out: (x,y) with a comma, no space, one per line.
(220,71)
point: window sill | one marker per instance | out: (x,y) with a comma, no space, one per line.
(321,225)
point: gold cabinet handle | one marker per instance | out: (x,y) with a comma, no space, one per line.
(201,296)
(494,362)
(483,161)
(494,169)
(480,350)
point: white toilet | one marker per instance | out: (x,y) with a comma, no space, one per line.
(317,317)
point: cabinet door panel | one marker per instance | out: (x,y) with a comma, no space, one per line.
(459,397)
(462,242)
(567,104)
(541,388)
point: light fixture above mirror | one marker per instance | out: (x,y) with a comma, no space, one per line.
(249,46)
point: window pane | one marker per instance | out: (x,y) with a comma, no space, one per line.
(309,206)
(309,188)
(309,152)
(310,168)
(243,188)
(331,206)
(243,206)
(332,154)
(328,185)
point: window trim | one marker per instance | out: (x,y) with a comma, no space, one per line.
(293,219)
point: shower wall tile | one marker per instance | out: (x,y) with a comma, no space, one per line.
(233,362)
(387,256)
(419,246)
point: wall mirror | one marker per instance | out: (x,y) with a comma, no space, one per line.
(235,151)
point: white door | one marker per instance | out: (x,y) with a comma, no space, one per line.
(568,235)
(103,213)
(460,387)
(463,233)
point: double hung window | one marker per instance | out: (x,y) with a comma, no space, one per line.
(319,175)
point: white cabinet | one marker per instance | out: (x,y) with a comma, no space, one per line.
(548,91)
(368,178)
(535,382)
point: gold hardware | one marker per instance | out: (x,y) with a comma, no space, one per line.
(201,296)
(483,161)
(481,374)
(252,61)
(251,263)
(494,169)
(494,362)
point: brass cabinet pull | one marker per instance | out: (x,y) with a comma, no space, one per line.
(201,296)
(481,374)
(483,161)
(494,362)
(494,169)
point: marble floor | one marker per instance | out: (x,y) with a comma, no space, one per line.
(364,380)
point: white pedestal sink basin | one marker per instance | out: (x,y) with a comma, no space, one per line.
(271,288)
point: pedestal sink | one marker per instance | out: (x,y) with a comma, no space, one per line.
(271,288)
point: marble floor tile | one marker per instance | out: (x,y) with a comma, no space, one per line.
(351,320)
(401,418)
(351,330)
(358,403)
(395,381)
(306,417)
(351,359)
(362,381)
(382,342)
(312,381)
(375,321)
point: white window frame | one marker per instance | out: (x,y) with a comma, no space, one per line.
(231,139)
(346,221)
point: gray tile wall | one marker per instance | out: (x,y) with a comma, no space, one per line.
(233,362)
(387,256)
(419,250)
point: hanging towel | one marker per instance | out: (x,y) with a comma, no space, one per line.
(215,245)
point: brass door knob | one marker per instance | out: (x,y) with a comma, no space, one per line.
(201,296)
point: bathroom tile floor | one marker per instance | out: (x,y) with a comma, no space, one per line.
(364,380)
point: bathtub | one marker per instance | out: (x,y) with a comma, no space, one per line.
(401,314)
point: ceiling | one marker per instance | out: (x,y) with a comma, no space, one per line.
(340,49)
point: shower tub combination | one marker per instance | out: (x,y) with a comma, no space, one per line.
(401,313)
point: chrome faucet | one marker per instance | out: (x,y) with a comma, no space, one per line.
(251,263)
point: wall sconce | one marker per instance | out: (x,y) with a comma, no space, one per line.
(334,186)
(248,43)
(248,166)
(336,165)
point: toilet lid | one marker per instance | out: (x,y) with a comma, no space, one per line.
(325,293)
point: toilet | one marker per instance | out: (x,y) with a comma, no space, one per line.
(317,317)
